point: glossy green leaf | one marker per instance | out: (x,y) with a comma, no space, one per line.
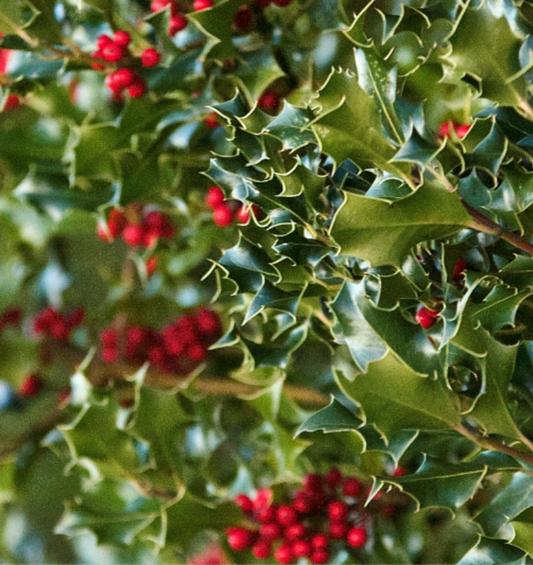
(384,233)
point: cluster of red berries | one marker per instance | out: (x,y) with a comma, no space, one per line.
(178,21)
(328,509)
(53,323)
(176,349)
(460,130)
(125,78)
(225,212)
(11,317)
(137,226)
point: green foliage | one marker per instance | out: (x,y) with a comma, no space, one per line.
(375,308)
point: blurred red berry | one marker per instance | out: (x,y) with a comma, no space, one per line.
(133,235)
(262,549)
(269,101)
(313,482)
(286,515)
(337,530)
(427,318)
(138,88)
(102,41)
(245,503)
(357,537)
(301,548)
(352,487)
(271,531)
(150,57)
(337,511)
(459,270)
(122,38)
(113,52)
(176,24)
(445,129)
(12,102)
(202,5)
(243,17)
(295,531)
(151,265)
(334,478)
(211,121)
(399,471)
(30,387)
(215,197)
(284,554)
(319,556)
(243,214)
(240,539)
(223,216)
(320,541)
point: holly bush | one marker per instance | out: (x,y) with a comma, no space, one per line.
(266,281)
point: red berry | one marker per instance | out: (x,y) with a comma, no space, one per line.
(102,41)
(458,270)
(151,265)
(109,354)
(113,83)
(30,387)
(176,24)
(445,130)
(357,537)
(222,216)
(245,503)
(334,478)
(337,511)
(202,5)
(266,514)
(243,214)
(301,548)
(158,5)
(122,38)
(303,503)
(320,542)
(96,65)
(399,471)
(150,57)
(138,88)
(11,317)
(133,235)
(313,482)
(352,487)
(462,130)
(12,102)
(295,531)
(319,556)
(215,197)
(286,515)
(271,531)
(211,121)
(426,318)
(269,101)
(240,539)
(208,323)
(262,549)
(197,352)
(337,530)
(125,77)
(284,554)
(113,52)
(243,17)
(59,330)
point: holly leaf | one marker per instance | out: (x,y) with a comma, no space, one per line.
(496,62)
(384,232)
(523,531)
(394,397)
(488,551)
(434,484)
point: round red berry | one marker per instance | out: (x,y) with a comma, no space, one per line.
(271,531)
(295,531)
(125,77)
(102,41)
(211,121)
(215,197)
(176,24)
(150,57)
(313,482)
(352,487)
(337,530)
(286,515)
(262,549)
(122,38)
(303,503)
(269,101)
(319,556)
(334,478)
(96,65)
(357,537)
(320,542)
(222,216)
(109,354)
(243,17)
(196,352)
(133,235)
(113,52)
(113,82)
(158,5)
(245,503)
(30,387)
(202,5)
(138,88)
(266,514)
(301,548)
(426,318)
(337,511)
(240,539)
(151,265)
(243,214)
(284,554)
